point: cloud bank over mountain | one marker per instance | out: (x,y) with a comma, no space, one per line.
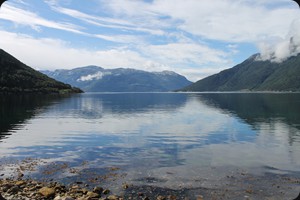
(281,49)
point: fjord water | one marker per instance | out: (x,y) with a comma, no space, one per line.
(169,139)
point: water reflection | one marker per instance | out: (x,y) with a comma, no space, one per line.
(275,120)
(186,134)
(94,105)
(272,111)
(254,107)
(15,110)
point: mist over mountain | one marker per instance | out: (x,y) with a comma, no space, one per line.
(280,49)
(254,74)
(97,79)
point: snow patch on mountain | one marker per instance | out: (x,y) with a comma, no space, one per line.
(167,73)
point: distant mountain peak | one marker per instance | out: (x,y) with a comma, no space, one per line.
(167,72)
(94,67)
(97,79)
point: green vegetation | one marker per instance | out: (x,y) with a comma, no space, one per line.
(254,75)
(16,77)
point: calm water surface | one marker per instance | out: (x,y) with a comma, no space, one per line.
(160,138)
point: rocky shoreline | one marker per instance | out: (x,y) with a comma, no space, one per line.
(30,189)
(19,185)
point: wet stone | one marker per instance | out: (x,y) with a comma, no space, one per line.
(6,187)
(93,195)
(85,191)
(161,198)
(106,191)
(63,198)
(20,175)
(47,192)
(200,197)
(98,190)
(74,187)
(20,183)
(140,194)
(112,197)
(125,186)
(172,197)
(14,190)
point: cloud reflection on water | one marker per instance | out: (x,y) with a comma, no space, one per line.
(157,132)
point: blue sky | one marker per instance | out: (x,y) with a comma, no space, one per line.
(195,38)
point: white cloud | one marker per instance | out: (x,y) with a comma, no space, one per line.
(279,50)
(96,20)
(129,39)
(220,20)
(90,77)
(238,21)
(47,53)
(27,18)
(106,22)
(226,20)
(183,53)
(139,13)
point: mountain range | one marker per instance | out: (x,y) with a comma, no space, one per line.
(98,79)
(253,75)
(16,77)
